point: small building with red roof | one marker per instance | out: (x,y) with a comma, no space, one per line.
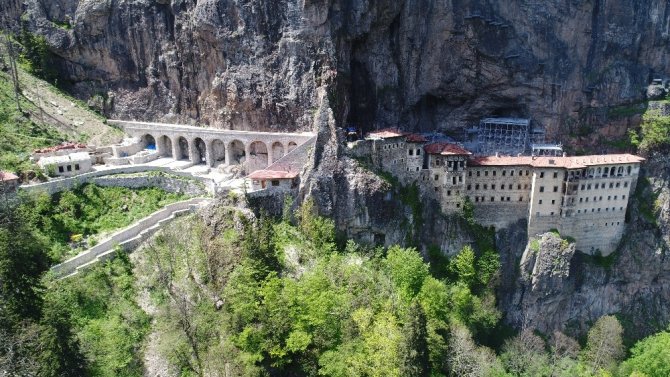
(272,179)
(9,182)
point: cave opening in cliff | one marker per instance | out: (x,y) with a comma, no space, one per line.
(362,99)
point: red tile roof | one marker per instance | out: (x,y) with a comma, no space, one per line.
(386,133)
(64,146)
(416,138)
(574,162)
(273,174)
(446,149)
(7,176)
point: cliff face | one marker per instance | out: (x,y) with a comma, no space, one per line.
(421,64)
(418,64)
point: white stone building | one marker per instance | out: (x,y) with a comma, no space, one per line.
(66,165)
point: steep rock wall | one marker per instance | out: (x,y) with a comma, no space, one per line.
(420,64)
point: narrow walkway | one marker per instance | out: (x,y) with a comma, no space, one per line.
(127,238)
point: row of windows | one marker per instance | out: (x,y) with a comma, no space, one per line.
(504,173)
(602,185)
(61,169)
(411,152)
(607,209)
(502,187)
(597,198)
(542,188)
(391,146)
(493,199)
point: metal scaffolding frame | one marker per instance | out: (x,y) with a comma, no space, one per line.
(551,150)
(503,135)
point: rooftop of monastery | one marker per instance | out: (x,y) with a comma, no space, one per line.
(446,149)
(273,174)
(60,147)
(386,133)
(574,162)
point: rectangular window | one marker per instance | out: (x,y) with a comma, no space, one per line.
(477,186)
(275,182)
(437,177)
(411,152)
(611,185)
(581,200)
(617,185)
(553,201)
(453,180)
(539,202)
(541,174)
(508,198)
(555,175)
(418,152)
(492,199)
(469,174)
(625,184)
(460,178)
(552,214)
(527,172)
(541,188)
(555,188)
(502,198)
(486,173)
(493,187)
(494,173)
(69,168)
(469,187)
(623,196)
(504,172)
(76,166)
(521,198)
(511,173)
(478,173)
(60,169)
(519,186)
(510,186)
(582,187)
(486,187)
(448,192)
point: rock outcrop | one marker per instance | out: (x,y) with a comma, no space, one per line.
(557,288)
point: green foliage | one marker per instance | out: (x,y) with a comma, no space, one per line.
(654,133)
(90,210)
(36,57)
(649,357)
(320,231)
(109,324)
(407,270)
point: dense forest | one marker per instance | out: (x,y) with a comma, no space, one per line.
(281,297)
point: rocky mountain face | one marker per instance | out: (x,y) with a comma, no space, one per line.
(420,64)
(573,67)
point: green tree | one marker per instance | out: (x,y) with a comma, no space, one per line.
(604,345)
(649,357)
(407,270)
(415,353)
(654,133)
(463,266)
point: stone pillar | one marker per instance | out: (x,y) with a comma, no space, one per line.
(209,153)
(269,154)
(160,147)
(192,151)
(229,152)
(176,150)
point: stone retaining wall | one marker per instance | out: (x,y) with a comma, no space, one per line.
(170,184)
(128,238)
(57,185)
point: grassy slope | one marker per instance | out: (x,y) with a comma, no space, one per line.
(92,211)
(47,117)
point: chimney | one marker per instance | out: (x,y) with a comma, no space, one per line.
(497,154)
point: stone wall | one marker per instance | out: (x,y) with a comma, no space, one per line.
(57,185)
(128,238)
(169,183)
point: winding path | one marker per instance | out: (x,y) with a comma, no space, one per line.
(127,238)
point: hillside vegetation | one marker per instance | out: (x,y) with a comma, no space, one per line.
(76,217)
(43,116)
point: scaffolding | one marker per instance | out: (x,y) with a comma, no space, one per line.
(503,135)
(551,150)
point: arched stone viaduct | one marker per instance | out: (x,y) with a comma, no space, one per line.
(213,147)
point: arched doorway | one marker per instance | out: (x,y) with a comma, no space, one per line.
(182,149)
(258,156)
(165,146)
(200,151)
(149,142)
(236,154)
(277,151)
(291,146)
(218,152)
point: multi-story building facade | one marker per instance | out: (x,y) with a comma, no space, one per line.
(584,197)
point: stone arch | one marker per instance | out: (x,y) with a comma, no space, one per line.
(629,169)
(620,170)
(612,170)
(149,142)
(181,149)
(236,153)
(291,146)
(199,151)
(218,152)
(164,146)
(258,156)
(277,151)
